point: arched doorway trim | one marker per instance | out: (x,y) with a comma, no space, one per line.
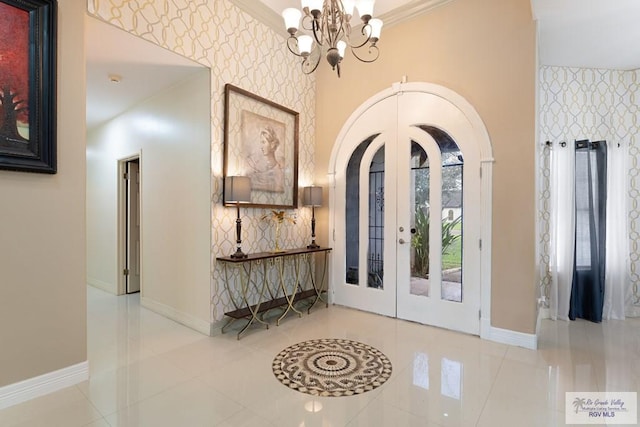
(344,147)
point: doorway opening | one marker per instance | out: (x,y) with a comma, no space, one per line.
(129,226)
(411,208)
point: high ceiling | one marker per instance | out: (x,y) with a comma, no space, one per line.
(589,33)
(143,69)
(577,33)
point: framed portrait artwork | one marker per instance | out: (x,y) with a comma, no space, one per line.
(261,142)
(28,85)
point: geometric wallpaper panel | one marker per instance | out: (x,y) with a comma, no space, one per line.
(245,52)
(595,104)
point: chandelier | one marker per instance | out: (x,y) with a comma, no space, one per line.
(326,31)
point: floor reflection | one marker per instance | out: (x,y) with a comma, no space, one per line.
(149,371)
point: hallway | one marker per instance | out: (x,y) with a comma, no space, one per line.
(147,370)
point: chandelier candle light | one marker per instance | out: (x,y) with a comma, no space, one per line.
(329,23)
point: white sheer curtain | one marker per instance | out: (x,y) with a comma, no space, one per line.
(562,229)
(617,289)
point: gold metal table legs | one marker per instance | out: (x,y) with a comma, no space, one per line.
(245,279)
(284,279)
(289,296)
(318,286)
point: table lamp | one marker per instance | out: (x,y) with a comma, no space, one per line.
(237,189)
(312,196)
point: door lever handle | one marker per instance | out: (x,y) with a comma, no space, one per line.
(401,241)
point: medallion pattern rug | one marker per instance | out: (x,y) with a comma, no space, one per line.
(332,367)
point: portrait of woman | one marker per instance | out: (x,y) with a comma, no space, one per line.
(264,163)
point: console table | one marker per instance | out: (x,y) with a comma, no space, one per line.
(257,293)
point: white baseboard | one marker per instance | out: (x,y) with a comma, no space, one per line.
(183,318)
(107,287)
(50,382)
(507,336)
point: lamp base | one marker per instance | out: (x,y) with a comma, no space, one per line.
(238,254)
(313,245)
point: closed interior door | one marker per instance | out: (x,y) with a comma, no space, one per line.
(410,216)
(132,245)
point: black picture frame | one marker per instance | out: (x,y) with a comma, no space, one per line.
(248,120)
(37,152)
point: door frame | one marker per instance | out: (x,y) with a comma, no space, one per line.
(344,147)
(122,221)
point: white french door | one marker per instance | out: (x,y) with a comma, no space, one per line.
(407,209)
(435,139)
(361,285)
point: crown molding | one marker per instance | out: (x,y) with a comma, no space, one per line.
(410,10)
(268,16)
(264,14)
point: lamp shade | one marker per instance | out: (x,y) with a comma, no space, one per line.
(342,46)
(365,7)
(237,189)
(305,43)
(376,28)
(312,196)
(291,18)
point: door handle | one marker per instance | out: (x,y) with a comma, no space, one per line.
(401,241)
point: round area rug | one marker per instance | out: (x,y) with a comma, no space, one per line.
(331,367)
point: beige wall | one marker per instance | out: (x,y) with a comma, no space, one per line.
(485,51)
(171,130)
(42,234)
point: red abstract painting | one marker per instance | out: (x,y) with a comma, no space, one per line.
(14,77)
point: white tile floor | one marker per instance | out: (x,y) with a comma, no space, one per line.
(149,371)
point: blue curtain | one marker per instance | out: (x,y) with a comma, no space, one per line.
(587,289)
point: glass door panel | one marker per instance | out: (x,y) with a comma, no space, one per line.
(419,208)
(452,223)
(352,214)
(375,254)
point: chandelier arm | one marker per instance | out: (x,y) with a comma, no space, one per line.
(329,38)
(296,44)
(367,40)
(346,30)
(363,44)
(315,28)
(340,33)
(306,61)
(335,26)
(306,20)
(372,47)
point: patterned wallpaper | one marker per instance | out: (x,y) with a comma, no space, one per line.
(590,104)
(239,50)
